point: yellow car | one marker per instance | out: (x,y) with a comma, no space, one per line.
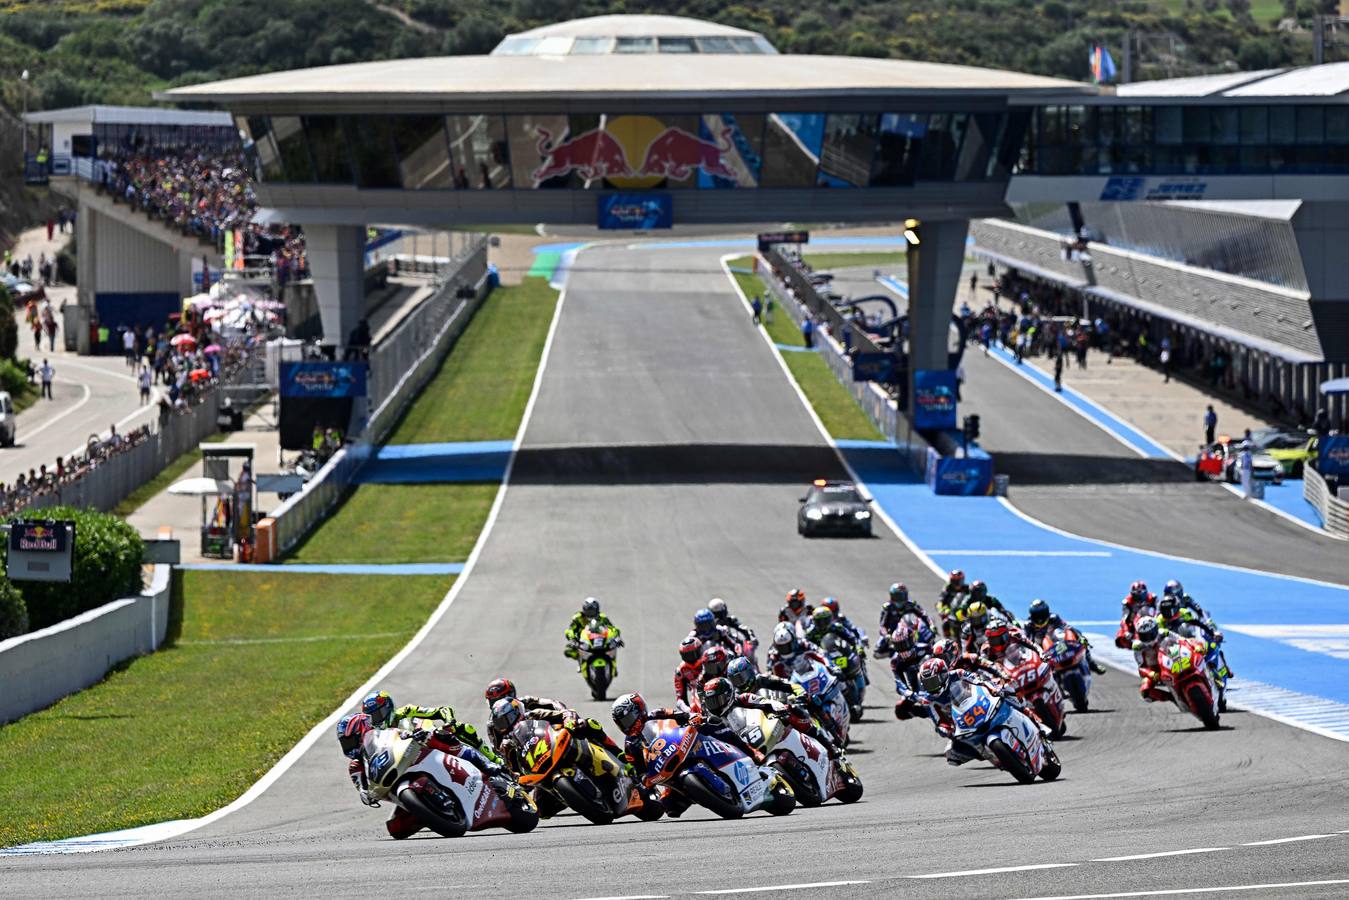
(1290,449)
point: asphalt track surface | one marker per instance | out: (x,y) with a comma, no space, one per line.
(661,467)
(1075,476)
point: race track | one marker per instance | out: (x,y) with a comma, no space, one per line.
(660,467)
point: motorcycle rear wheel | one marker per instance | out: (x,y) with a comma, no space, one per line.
(449,824)
(590,809)
(1011,763)
(1046,714)
(1076,689)
(1202,706)
(704,796)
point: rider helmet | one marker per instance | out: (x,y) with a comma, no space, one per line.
(784,637)
(932,675)
(718,696)
(998,636)
(505,713)
(351,731)
(957,578)
(796,599)
(831,604)
(821,618)
(1173,589)
(946,650)
(590,607)
(977,615)
(719,609)
(899,593)
(1039,612)
(1169,607)
(704,623)
(691,650)
(499,689)
(740,673)
(978,590)
(715,660)
(901,639)
(629,713)
(378,705)
(1138,592)
(1146,631)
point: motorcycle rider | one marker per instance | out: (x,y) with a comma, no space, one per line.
(689,675)
(379,706)
(506,713)
(979,594)
(1175,589)
(823,623)
(787,646)
(504,688)
(709,631)
(1175,618)
(972,632)
(1041,622)
(896,606)
(797,611)
(715,661)
(1139,601)
(731,623)
(853,633)
(906,655)
(956,589)
(956,658)
(720,697)
(935,679)
(590,609)
(1146,645)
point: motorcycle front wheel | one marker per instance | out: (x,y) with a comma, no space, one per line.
(591,809)
(802,785)
(704,796)
(1010,762)
(1202,706)
(1051,768)
(448,822)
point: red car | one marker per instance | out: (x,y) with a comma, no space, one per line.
(1221,461)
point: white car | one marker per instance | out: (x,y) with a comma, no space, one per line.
(8,424)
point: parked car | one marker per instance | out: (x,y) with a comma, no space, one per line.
(21,291)
(1290,449)
(1221,461)
(8,425)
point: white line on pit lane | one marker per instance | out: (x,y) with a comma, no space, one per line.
(1093,553)
(1195,890)
(783,887)
(1134,856)
(631,897)
(997,871)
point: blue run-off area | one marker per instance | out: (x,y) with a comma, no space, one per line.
(1085,580)
(437,463)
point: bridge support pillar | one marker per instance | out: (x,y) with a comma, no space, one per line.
(934,263)
(336,256)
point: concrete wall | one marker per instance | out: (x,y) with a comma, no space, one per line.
(129,261)
(40,668)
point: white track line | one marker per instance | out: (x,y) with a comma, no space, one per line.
(59,416)
(1195,890)
(998,871)
(1289,840)
(781,887)
(1092,553)
(1133,856)
(167,830)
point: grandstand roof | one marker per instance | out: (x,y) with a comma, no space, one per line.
(1328,80)
(127,115)
(635,26)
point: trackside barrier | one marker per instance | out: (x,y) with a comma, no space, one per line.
(432,334)
(41,667)
(1334,512)
(876,403)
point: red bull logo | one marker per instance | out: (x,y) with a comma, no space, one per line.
(606,152)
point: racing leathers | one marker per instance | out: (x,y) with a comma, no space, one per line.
(1037,634)
(892,613)
(712,727)
(740,632)
(798,619)
(578,622)
(570,719)
(442,718)
(720,636)
(793,716)
(688,685)
(959,752)
(402,824)
(529,702)
(1133,608)
(1187,624)
(1145,655)
(781,666)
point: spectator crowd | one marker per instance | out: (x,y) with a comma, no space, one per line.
(43,481)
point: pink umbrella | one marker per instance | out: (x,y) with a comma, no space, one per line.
(183,340)
(213,348)
(215,314)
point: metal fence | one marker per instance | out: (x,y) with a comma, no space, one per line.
(1334,512)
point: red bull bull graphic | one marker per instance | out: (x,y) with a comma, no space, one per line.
(633,152)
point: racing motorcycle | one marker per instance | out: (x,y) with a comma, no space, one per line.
(567,770)
(1185,672)
(845,657)
(1033,680)
(444,793)
(1002,733)
(909,645)
(813,776)
(1213,656)
(826,694)
(1067,653)
(597,655)
(711,773)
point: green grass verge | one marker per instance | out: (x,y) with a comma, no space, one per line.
(874,259)
(179,733)
(401,523)
(841,415)
(481,390)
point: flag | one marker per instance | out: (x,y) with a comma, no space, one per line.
(1102,66)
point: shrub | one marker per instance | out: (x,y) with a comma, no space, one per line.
(13,612)
(13,378)
(107,566)
(9,331)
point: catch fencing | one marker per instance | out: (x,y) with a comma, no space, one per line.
(1334,512)
(400,366)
